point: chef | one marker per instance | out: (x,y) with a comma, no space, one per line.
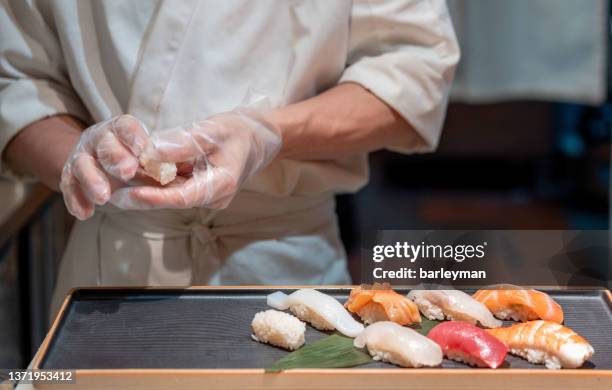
(265,109)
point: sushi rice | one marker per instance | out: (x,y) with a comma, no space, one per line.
(163,172)
(278,328)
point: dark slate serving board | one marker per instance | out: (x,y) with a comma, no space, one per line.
(128,328)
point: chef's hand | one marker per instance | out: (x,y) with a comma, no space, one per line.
(214,158)
(105,158)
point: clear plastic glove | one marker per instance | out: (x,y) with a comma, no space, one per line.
(214,158)
(105,158)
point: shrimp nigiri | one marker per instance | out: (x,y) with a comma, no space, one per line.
(545,342)
(468,344)
(454,305)
(520,304)
(320,310)
(393,343)
(380,303)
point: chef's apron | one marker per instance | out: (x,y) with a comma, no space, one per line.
(259,240)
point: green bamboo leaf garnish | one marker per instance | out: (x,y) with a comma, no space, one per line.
(334,351)
(425,326)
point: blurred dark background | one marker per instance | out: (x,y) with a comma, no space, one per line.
(526,145)
(514,165)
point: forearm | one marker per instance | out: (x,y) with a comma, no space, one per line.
(41,148)
(344,120)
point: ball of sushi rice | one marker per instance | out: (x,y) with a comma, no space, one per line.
(278,328)
(163,172)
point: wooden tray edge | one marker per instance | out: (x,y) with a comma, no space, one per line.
(341,379)
(44,346)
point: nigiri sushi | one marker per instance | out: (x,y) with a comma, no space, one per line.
(393,343)
(468,344)
(380,303)
(278,328)
(545,342)
(320,310)
(453,305)
(520,304)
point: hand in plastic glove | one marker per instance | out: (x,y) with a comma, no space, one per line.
(214,158)
(105,158)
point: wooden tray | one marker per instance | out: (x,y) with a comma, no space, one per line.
(200,338)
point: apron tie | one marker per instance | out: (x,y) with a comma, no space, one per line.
(257,241)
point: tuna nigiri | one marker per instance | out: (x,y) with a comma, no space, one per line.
(393,343)
(320,310)
(454,305)
(545,342)
(520,304)
(468,344)
(380,303)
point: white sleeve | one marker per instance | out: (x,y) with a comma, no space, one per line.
(405,52)
(33,78)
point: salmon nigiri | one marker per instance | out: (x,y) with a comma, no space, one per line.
(469,344)
(520,304)
(380,303)
(545,342)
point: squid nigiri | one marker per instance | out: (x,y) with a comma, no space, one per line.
(380,303)
(468,344)
(454,305)
(320,310)
(393,343)
(520,304)
(545,342)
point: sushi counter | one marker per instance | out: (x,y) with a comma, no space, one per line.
(337,337)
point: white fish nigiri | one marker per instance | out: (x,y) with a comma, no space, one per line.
(454,305)
(320,310)
(391,342)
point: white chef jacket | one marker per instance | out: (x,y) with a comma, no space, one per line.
(175,62)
